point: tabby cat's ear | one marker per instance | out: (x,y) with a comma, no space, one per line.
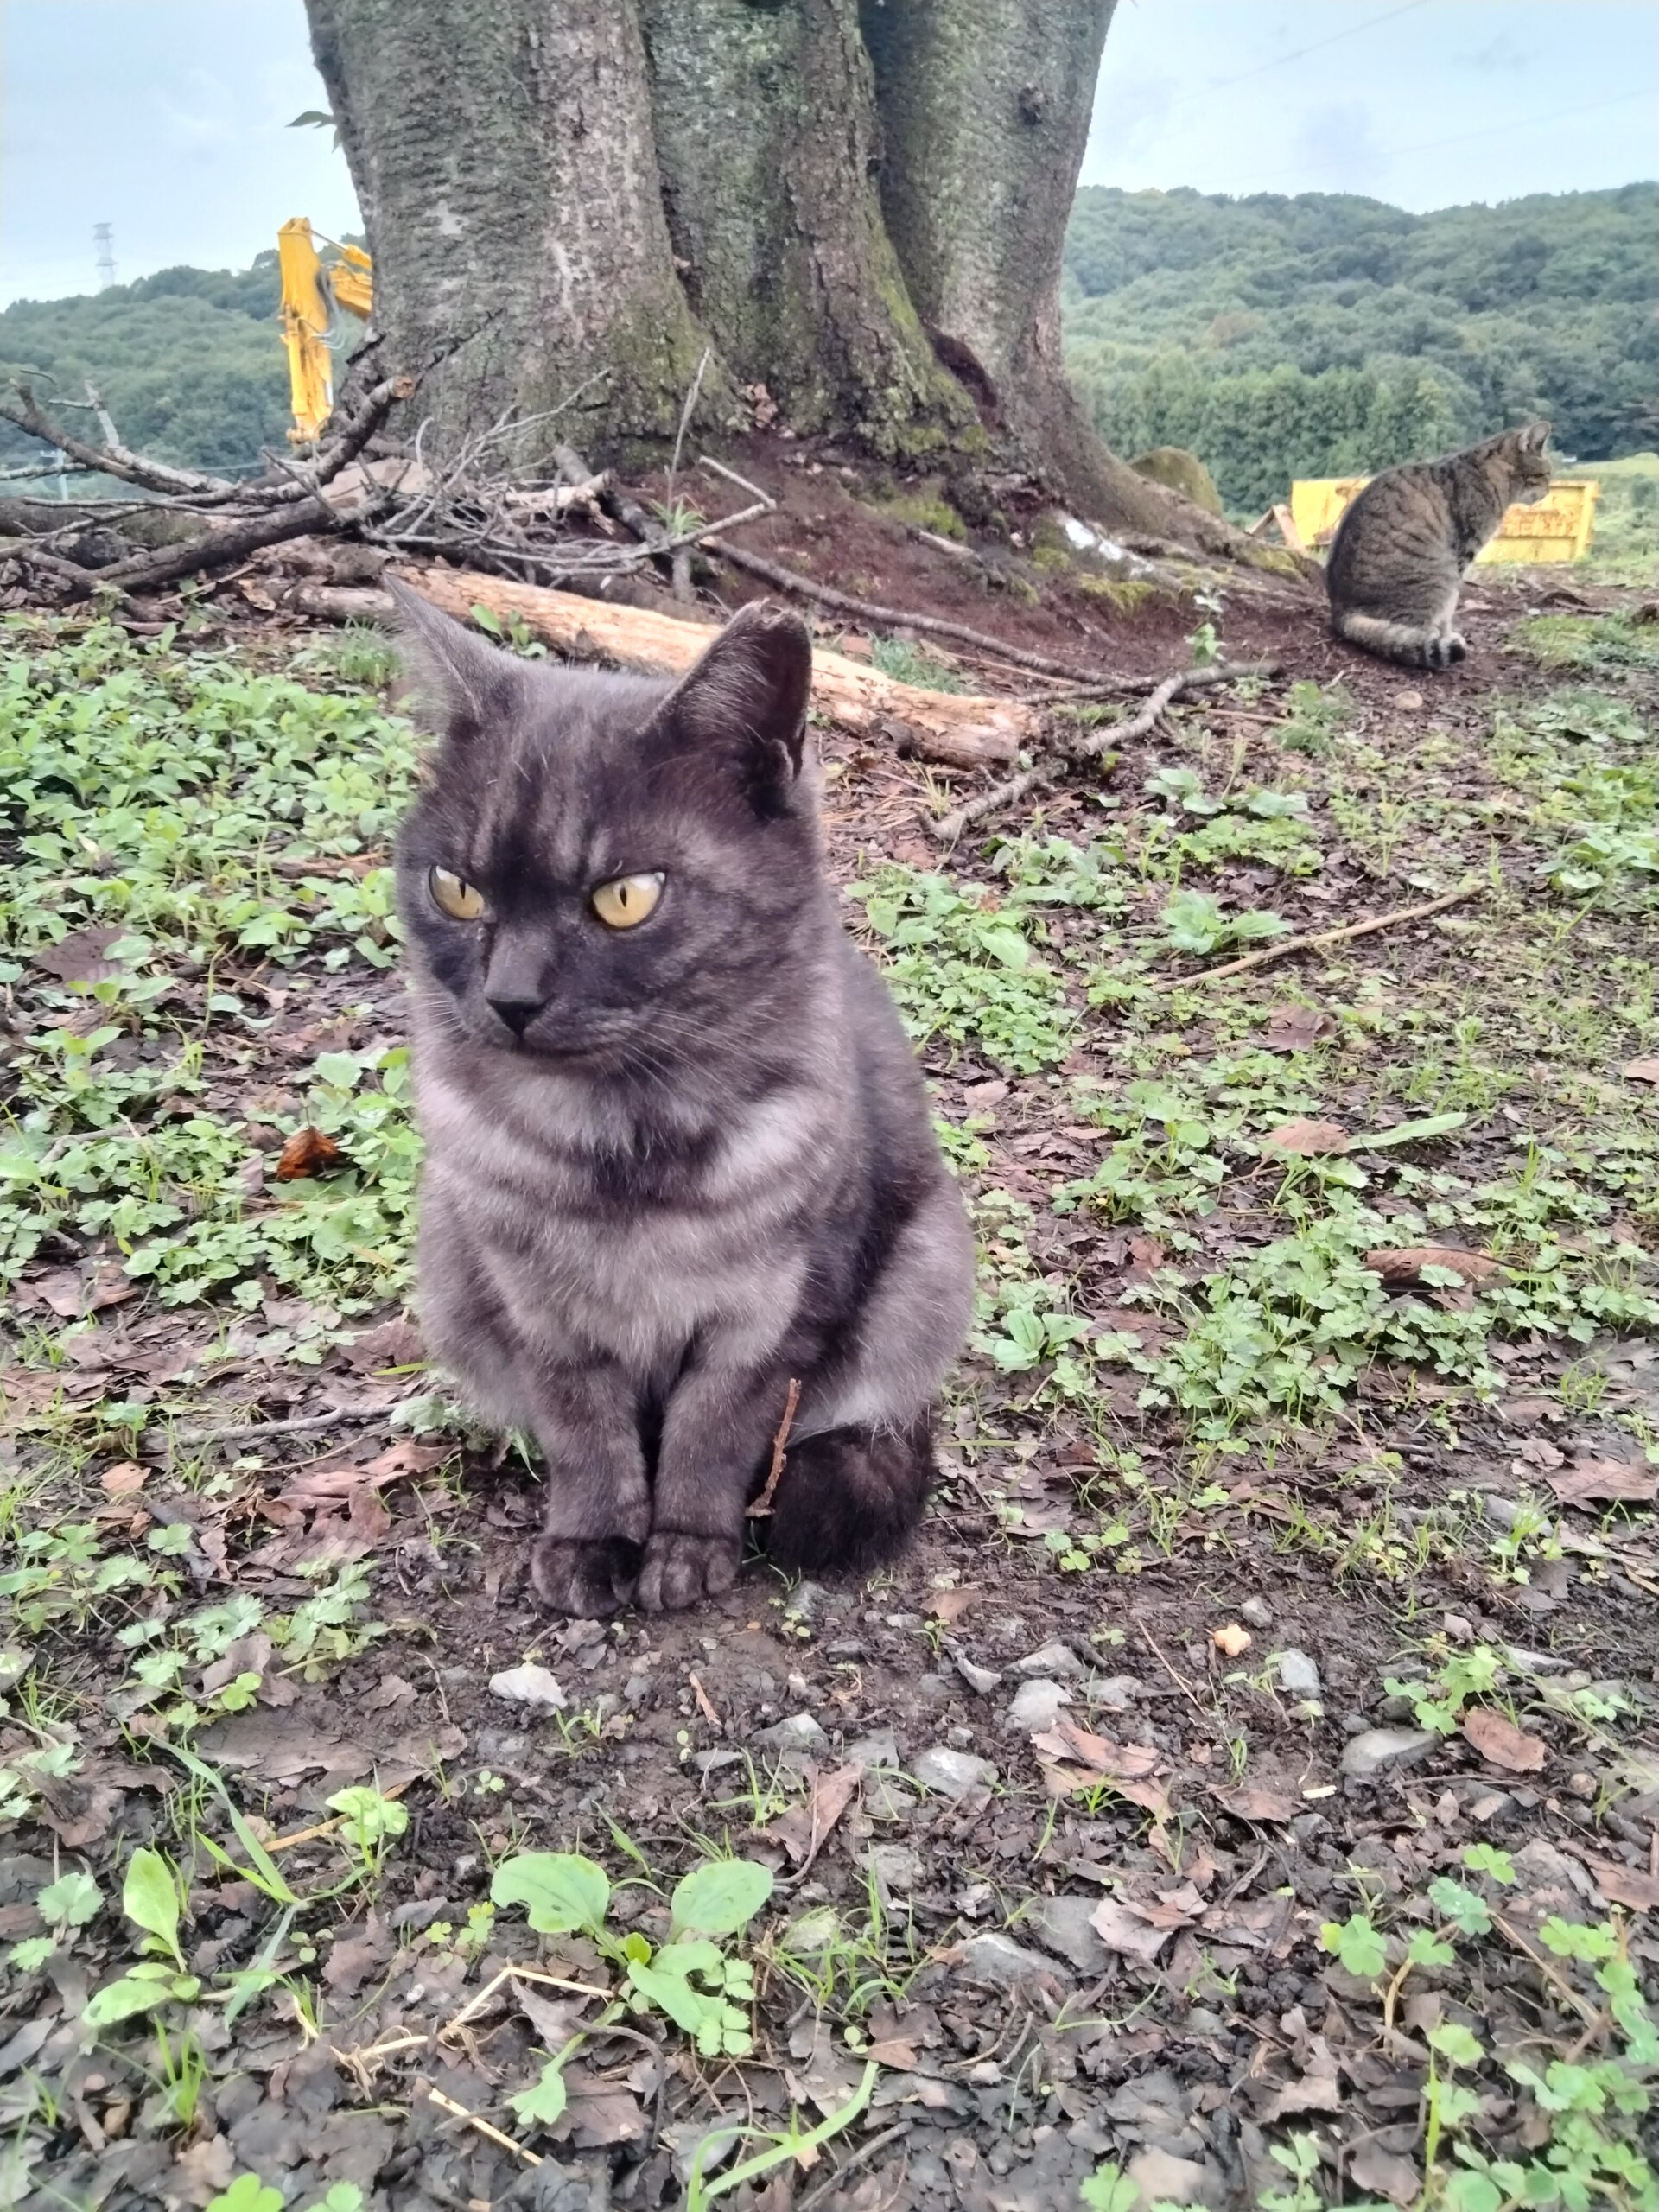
(461,684)
(745,700)
(1535,437)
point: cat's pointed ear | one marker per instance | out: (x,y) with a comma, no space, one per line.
(1535,437)
(747,698)
(461,686)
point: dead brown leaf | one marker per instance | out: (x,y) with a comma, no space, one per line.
(803,1829)
(1247,1802)
(1646,1071)
(1625,1885)
(306,1152)
(79,957)
(71,1295)
(1384,2173)
(1610,1482)
(1501,1743)
(1293,1028)
(1313,2092)
(354,1958)
(204,2169)
(1303,1139)
(123,1479)
(393,1344)
(555,2020)
(900,2056)
(1121,1761)
(1128,1932)
(949,1606)
(1406,1263)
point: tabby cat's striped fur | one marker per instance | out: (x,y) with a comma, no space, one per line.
(1397,565)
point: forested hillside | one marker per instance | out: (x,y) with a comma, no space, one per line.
(190,362)
(1282,337)
(1274,337)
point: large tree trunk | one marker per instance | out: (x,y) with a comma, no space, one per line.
(504,165)
(765,142)
(985,111)
(565,193)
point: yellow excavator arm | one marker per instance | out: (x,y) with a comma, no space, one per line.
(311,293)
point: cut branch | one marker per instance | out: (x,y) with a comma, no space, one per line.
(22,409)
(215,549)
(953,728)
(1080,751)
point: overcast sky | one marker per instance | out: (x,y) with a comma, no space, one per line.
(166,117)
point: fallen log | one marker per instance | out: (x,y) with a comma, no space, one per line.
(959,730)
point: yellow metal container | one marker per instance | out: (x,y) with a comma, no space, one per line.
(1556,529)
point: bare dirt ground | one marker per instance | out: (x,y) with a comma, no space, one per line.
(1245,1793)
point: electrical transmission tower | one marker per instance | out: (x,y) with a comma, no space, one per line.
(104,239)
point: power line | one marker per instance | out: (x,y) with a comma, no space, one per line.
(1283,60)
(1463,137)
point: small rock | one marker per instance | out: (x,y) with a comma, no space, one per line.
(1298,1676)
(1053,1659)
(933,1689)
(1378,1750)
(877,1749)
(961,1738)
(1036,1705)
(981,1680)
(1459,1627)
(804,1601)
(952,1774)
(1065,1926)
(1409,703)
(1162,2179)
(898,1870)
(1256,1611)
(999,1962)
(527,1685)
(797,1733)
(1116,1693)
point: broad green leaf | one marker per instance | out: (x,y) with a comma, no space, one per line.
(150,1898)
(1468,2192)
(1357,1944)
(1571,1939)
(1007,945)
(1456,2044)
(721,1896)
(1432,1125)
(1469,1913)
(561,1891)
(1108,2189)
(247,2193)
(1487,1858)
(370,1818)
(540,2106)
(71,1901)
(121,2000)
(341,1069)
(32,1952)
(1427,1949)
(671,1993)
(344,2197)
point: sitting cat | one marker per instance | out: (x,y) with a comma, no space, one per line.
(1397,563)
(679,1154)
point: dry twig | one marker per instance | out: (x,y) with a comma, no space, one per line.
(1078,751)
(763,1504)
(1316,940)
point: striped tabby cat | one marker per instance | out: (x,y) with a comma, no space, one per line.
(1397,563)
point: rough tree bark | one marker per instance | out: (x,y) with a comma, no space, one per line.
(858,203)
(506,172)
(985,113)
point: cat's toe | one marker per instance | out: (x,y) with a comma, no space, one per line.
(1456,647)
(682,1570)
(588,1581)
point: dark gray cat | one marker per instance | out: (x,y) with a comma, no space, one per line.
(1397,563)
(679,1149)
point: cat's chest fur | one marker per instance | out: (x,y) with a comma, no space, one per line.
(597,1234)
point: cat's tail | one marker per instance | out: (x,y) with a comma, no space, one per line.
(849,1498)
(1400,641)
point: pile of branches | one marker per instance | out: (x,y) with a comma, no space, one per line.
(481,506)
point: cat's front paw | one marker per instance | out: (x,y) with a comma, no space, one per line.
(590,1581)
(1456,646)
(682,1570)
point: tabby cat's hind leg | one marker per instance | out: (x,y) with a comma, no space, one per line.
(1401,641)
(849,1497)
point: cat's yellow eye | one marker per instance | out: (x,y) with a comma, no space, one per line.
(462,902)
(626,903)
